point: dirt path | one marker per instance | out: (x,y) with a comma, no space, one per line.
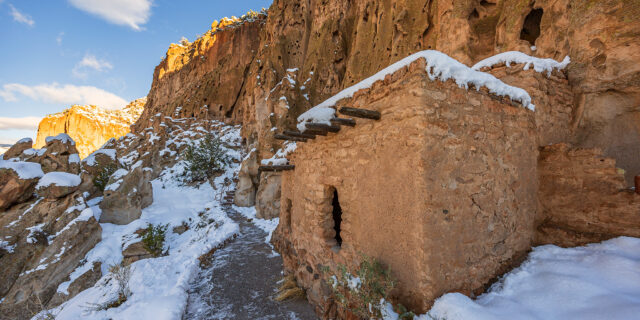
(241,279)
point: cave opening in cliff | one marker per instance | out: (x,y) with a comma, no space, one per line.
(531,27)
(337,216)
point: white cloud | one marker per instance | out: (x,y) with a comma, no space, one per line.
(21,17)
(26,123)
(59,38)
(90,62)
(64,94)
(131,13)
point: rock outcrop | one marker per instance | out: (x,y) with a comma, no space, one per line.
(17,149)
(126,194)
(583,198)
(17,182)
(90,126)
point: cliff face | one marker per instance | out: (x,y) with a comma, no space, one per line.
(203,79)
(90,126)
(265,73)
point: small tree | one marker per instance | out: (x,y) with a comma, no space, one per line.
(153,239)
(205,159)
(102,178)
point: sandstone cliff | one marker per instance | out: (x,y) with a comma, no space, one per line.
(266,71)
(90,126)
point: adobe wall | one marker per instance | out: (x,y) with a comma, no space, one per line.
(551,94)
(583,198)
(441,189)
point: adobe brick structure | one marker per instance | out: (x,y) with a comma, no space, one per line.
(442,189)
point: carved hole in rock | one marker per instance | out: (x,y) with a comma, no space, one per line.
(337,216)
(531,27)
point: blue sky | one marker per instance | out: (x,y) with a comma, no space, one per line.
(56,53)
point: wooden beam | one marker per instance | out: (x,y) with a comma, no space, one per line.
(343,121)
(290,138)
(360,113)
(316,132)
(322,126)
(299,134)
(276,168)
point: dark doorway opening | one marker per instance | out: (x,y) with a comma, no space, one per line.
(531,27)
(337,216)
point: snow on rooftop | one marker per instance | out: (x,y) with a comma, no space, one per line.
(509,57)
(60,179)
(439,67)
(25,170)
(63,137)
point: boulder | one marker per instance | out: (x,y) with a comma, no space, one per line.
(135,252)
(17,149)
(54,185)
(17,182)
(247,181)
(268,196)
(126,195)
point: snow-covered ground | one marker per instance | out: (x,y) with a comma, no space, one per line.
(158,285)
(597,281)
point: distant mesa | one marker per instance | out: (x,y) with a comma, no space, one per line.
(90,126)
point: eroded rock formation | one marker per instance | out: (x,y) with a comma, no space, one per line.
(90,126)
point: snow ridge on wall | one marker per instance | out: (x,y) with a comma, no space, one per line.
(439,67)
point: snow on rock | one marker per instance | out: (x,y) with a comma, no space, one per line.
(509,57)
(74,158)
(597,281)
(439,67)
(25,140)
(280,158)
(91,159)
(25,170)
(63,137)
(158,285)
(60,179)
(4,245)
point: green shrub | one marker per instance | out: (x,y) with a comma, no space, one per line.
(361,293)
(102,178)
(153,239)
(205,159)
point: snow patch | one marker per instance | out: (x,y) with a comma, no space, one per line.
(25,170)
(280,158)
(59,179)
(91,159)
(63,137)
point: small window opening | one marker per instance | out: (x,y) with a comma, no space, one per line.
(531,26)
(337,216)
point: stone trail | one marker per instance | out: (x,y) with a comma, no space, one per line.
(240,279)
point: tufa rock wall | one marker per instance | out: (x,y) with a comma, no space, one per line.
(266,71)
(90,126)
(583,198)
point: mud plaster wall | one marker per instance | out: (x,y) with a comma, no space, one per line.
(441,189)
